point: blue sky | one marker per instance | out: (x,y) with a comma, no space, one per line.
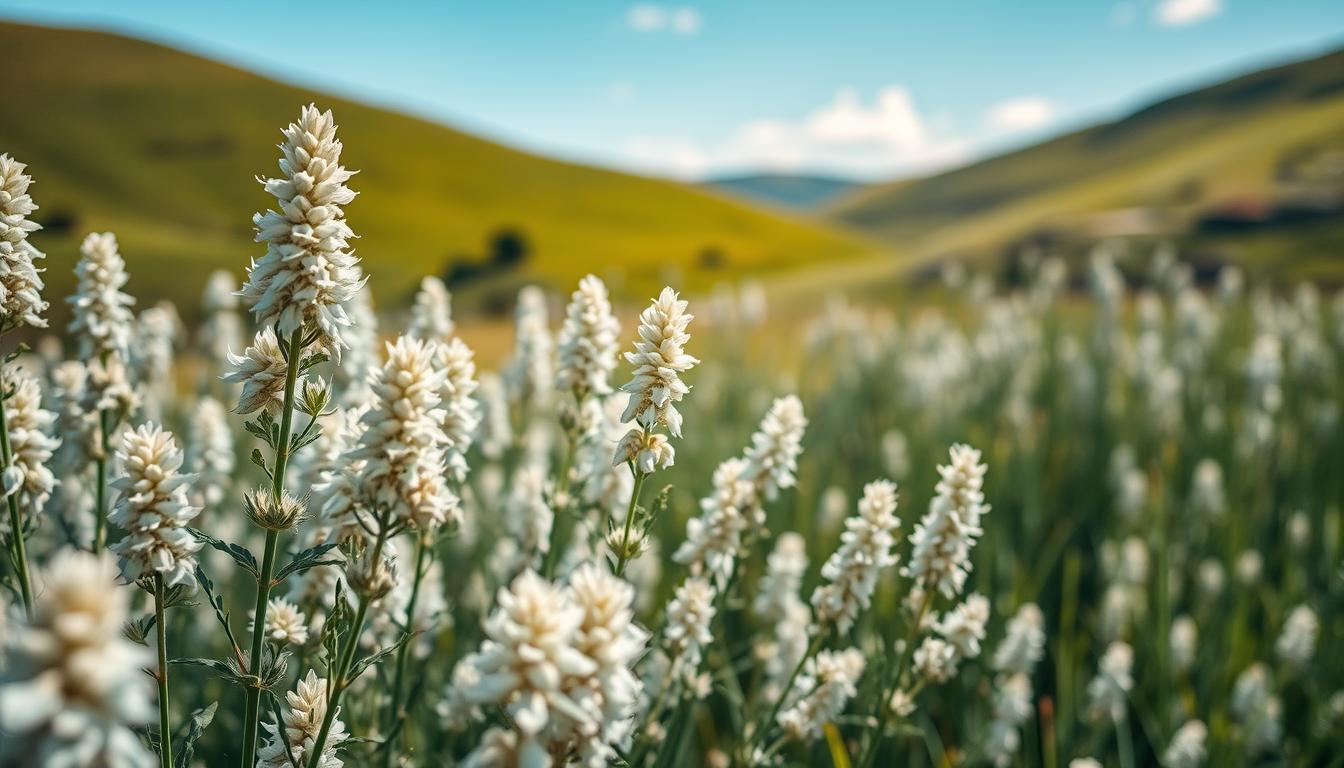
(690,88)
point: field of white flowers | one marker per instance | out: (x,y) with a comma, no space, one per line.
(1043,526)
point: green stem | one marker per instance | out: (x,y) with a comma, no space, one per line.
(399,681)
(15,513)
(100,511)
(160,627)
(784,690)
(563,518)
(338,683)
(1126,745)
(884,703)
(252,713)
(629,516)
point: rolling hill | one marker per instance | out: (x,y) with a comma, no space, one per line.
(1251,169)
(801,192)
(162,147)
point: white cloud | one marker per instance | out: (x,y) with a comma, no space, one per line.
(1182,13)
(845,135)
(892,120)
(649,17)
(1021,114)
(661,155)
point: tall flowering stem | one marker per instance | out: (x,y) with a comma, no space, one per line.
(101,318)
(161,629)
(656,387)
(21,305)
(252,713)
(396,710)
(20,551)
(100,473)
(623,557)
(374,585)
(890,685)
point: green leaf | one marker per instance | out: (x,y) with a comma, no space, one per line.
(195,728)
(137,630)
(336,625)
(238,552)
(369,661)
(661,502)
(315,359)
(305,560)
(215,665)
(217,604)
(260,461)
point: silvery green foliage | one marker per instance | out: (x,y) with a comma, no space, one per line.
(402,444)
(529,375)
(942,540)
(21,285)
(31,445)
(1297,643)
(261,370)
(588,342)
(362,355)
(1015,659)
(221,329)
(309,272)
(740,487)
(529,652)
(72,689)
(296,735)
(153,509)
(1257,709)
(659,360)
(827,683)
(865,553)
(1108,692)
(1187,748)
(101,318)
(460,413)
(690,615)
(210,453)
(432,312)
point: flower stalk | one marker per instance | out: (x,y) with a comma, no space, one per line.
(252,712)
(623,557)
(100,474)
(161,630)
(396,710)
(19,548)
(340,679)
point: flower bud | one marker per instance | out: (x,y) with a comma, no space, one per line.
(266,512)
(372,578)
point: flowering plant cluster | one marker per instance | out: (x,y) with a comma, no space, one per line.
(348,544)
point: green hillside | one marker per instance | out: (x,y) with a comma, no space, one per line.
(162,147)
(1249,149)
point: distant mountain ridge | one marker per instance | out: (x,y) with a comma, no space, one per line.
(796,191)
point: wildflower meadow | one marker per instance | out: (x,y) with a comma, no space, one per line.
(1091,516)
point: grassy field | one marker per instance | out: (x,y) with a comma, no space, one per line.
(161,147)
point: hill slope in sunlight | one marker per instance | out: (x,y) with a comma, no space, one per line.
(162,147)
(1251,169)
